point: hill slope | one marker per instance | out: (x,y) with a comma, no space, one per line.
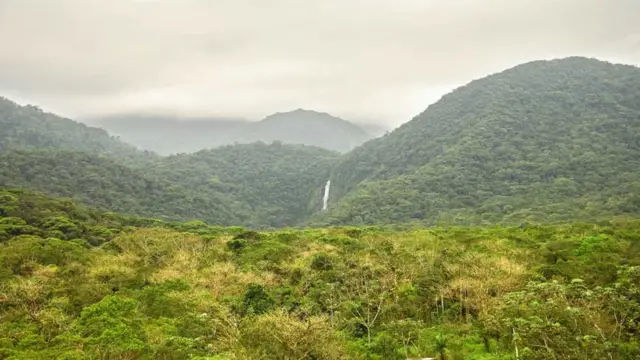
(255,185)
(168,135)
(281,184)
(27,127)
(547,140)
(106,184)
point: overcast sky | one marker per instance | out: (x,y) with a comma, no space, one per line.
(383,60)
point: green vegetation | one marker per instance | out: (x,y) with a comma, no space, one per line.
(104,183)
(543,142)
(80,284)
(254,185)
(279,185)
(28,127)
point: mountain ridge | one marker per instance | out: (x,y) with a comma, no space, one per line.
(544,141)
(170,135)
(521,129)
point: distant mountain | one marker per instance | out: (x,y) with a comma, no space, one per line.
(28,127)
(543,141)
(308,128)
(171,135)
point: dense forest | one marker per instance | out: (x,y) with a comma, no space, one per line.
(77,283)
(105,183)
(255,185)
(280,184)
(544,141)
(172,135)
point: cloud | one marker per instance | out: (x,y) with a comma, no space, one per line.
(380,59)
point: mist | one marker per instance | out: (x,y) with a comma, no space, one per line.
(383,60)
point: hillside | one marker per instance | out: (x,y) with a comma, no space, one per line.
(254,185)
(106,184)
(28,127)
(80,284)
(544,141)
(171,135)
(281,184)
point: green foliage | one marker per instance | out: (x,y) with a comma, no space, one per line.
(256,300)
(113,328)
(272,184)
(260,185)
(181,290)
(103,183)
(546,141)
(514,148)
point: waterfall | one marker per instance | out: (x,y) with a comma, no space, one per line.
(325,198)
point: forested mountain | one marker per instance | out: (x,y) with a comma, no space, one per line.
(79,284)
(107,184)
(28,127)
(544,141)
(255,185)
(280,184)
(171,135)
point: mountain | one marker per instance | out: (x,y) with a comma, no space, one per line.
(172,135)
(255,185)
(309,128)
(105,183)
(280,184)
(543,141)
(28,127)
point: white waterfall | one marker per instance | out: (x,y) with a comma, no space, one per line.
(325,198)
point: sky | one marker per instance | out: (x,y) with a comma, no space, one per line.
(381,61)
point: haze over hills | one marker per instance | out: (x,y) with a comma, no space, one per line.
(171,135)
(543,141)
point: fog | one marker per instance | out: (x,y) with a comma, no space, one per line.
(376,60)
